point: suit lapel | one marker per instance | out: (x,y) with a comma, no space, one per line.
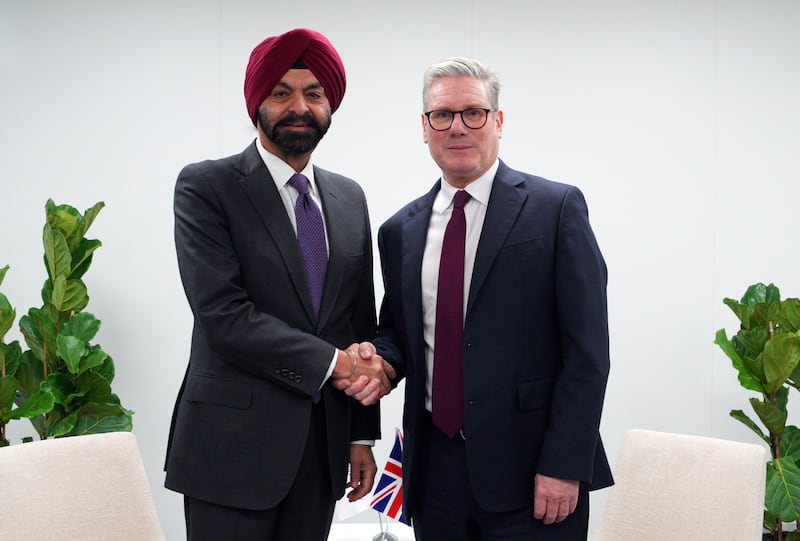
(505,203)
(337,210)
(260,189)
(415,234)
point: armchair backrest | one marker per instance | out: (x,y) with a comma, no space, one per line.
(678,487)
(88,488)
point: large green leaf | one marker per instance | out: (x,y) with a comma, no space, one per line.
(783,489)
(751,342)
(93,387)
(8,390)
(82,257)
(747,378)
(95,358)
(782,399)
(60,386)
(742,311)
(89,216)
(29,373)
(76,297)
(66,220)
(58,291)
(10,356)
(3,271)
(64,426)
(106,369)
(83,326)
(71,350)
(766,315)
(96,425)
(7,315)
(742,417)
(790,443)
(789,317)
(758,293)
(57,256)
(39,330)
(772,417)
(36,404)
(780,358)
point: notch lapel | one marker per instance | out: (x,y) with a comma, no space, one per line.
(505,203)
(338,212)
(260,188)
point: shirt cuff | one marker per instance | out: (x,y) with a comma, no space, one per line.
(330,368)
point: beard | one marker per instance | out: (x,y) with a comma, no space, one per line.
(289,142)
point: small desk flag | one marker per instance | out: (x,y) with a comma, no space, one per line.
(387,498)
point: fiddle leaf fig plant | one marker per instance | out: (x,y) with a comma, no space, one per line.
(765,352)
(62,382)
(11,358)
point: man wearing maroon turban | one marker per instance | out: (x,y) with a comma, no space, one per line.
(275,255)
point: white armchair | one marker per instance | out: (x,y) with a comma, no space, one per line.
(674,487)
(87,488)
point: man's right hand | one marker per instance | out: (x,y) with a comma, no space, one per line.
(370,380)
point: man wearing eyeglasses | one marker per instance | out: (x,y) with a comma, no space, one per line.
(495,314)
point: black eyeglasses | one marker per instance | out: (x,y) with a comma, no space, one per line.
(473,118)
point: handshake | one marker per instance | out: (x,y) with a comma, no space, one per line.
(363,374)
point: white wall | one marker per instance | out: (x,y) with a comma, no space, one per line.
(678,119)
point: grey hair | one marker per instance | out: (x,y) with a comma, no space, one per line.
(469,67)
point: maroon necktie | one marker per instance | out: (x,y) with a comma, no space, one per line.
(311,239)
(448,371)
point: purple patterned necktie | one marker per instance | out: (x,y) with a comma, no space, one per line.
(448,353)
(311,239)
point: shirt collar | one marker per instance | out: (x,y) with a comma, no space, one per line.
(281,171)
(479,189)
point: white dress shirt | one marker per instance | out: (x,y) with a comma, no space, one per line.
(475,213)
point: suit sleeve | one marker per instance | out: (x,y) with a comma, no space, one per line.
(225,315)
(580,287)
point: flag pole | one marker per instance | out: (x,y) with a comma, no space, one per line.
(384,535)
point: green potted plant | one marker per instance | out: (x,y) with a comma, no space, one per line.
(765,352)
(62,382)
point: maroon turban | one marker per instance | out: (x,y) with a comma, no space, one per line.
(276,55)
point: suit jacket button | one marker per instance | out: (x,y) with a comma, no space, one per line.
(292,375)
(285,372)
(298,379)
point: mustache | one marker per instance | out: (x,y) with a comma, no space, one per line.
(293,118)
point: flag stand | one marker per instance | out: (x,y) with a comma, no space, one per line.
(384,535)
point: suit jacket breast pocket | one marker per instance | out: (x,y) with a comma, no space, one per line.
(519,248)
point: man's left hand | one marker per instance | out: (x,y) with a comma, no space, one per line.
(362,471)
(554,499)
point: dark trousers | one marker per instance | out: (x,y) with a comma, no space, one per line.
(447,508)
(304,515)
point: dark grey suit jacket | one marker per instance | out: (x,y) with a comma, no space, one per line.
(258,355)
(536,353)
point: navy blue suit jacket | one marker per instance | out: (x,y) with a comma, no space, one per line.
(536,356)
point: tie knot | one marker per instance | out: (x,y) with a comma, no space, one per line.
(460,199)
(300,183)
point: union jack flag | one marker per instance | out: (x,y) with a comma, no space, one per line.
(387,497)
